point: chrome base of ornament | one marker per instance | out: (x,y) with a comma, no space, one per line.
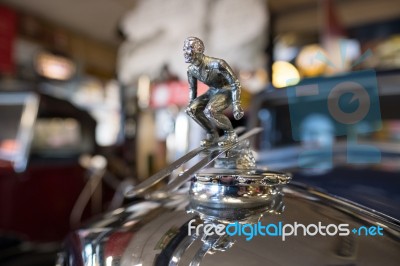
(236,195)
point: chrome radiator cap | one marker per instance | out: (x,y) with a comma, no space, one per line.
(229,195)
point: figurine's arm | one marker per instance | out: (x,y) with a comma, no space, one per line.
(233,81)
(192,86)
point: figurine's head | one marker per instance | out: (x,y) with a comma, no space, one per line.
(193,49)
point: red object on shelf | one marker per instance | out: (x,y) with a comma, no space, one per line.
(331,26)
(8,26)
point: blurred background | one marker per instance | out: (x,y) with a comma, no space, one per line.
(92,95)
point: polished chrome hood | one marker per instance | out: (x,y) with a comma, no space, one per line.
(235,214)
(156,233)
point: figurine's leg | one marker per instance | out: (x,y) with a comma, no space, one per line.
(196,111)
(214,111)
(215,107)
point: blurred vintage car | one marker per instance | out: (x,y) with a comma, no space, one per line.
(326,188)
(41,141)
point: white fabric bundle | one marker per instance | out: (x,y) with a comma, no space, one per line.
(234,30)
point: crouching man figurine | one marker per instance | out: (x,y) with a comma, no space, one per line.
(224,90)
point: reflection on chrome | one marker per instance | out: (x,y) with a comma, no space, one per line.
(160,235)
(155,231)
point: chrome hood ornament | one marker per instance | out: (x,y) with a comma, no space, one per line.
(226,186)
(224,91)
(225,176)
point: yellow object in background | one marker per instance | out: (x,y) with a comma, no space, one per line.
(284,74)
(308,63)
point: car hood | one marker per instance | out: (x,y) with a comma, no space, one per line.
(155,232)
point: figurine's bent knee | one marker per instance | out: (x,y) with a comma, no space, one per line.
(209,113)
